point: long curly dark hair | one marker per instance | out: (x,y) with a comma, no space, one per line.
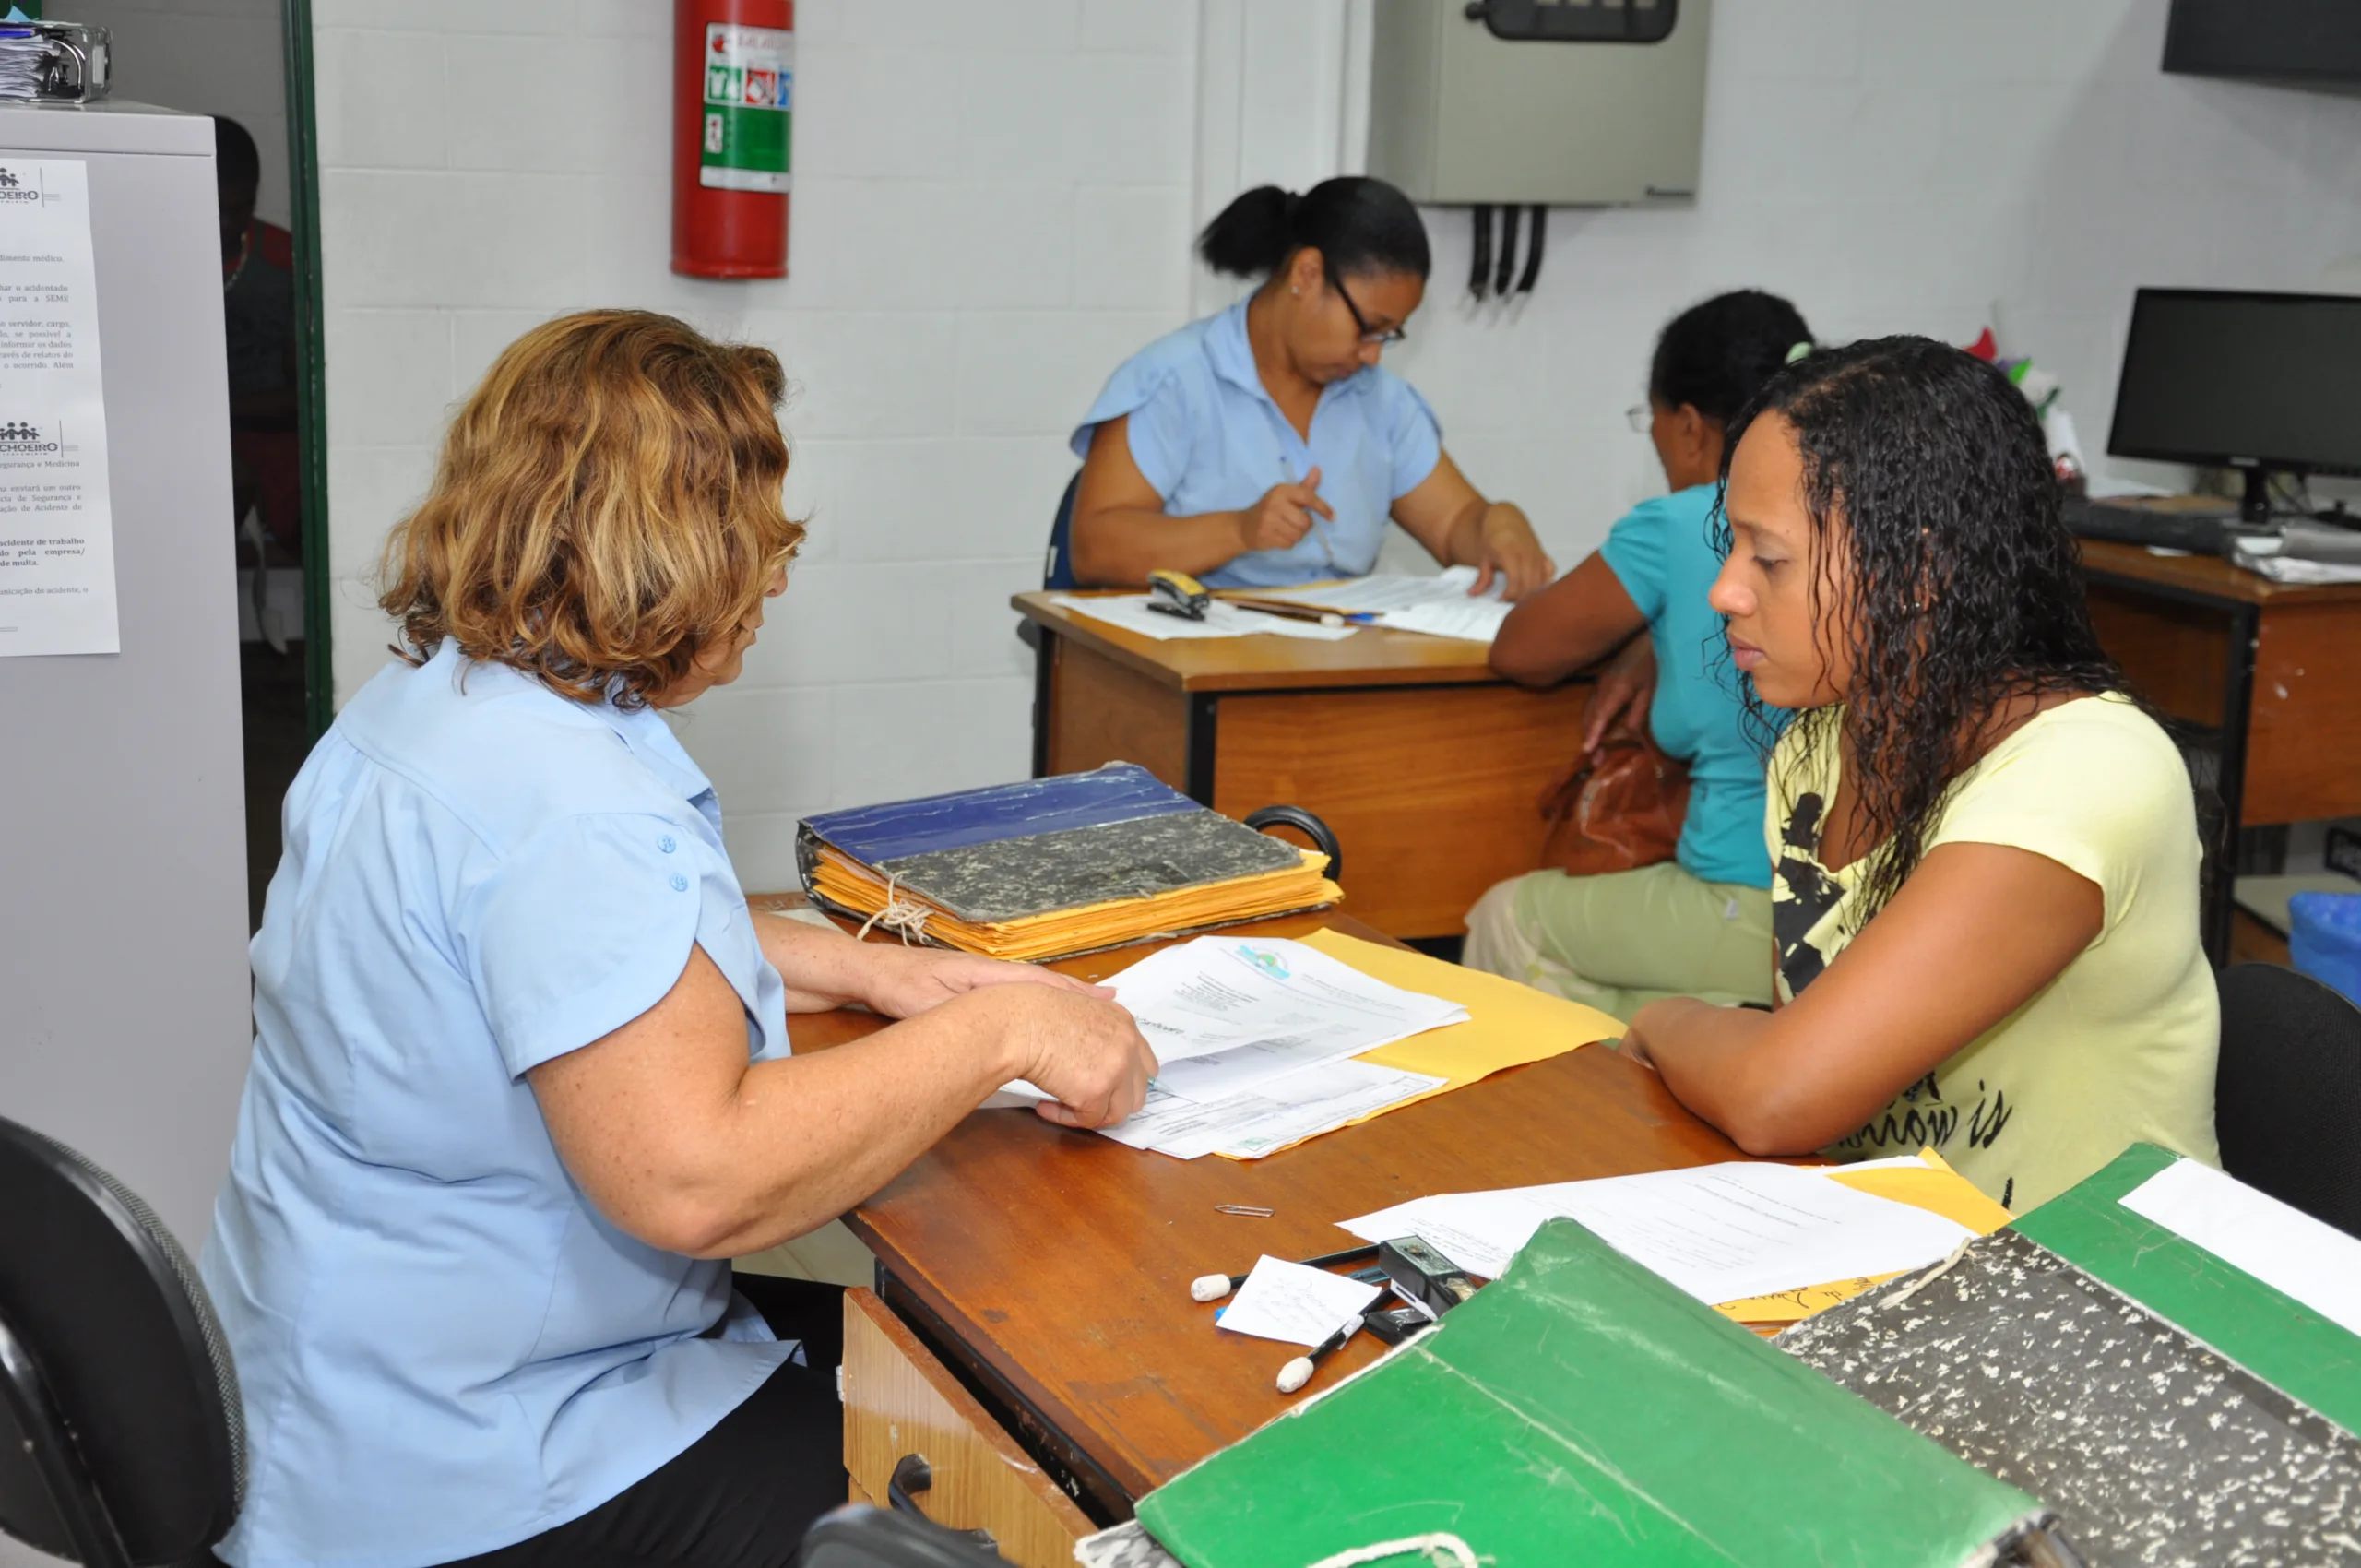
(1966,590)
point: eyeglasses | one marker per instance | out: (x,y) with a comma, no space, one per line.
(1369,334)
(1643,417)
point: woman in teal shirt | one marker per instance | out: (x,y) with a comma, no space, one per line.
(1266,447)
(1700,924)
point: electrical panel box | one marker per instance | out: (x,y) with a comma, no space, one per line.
(1560,103)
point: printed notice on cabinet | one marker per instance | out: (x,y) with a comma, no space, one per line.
(56,527)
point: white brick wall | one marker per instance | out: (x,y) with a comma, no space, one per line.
(994,204)
(992,208)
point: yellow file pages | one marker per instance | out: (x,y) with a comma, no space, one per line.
(1060,933)
(1924,1182)
(1508,1024)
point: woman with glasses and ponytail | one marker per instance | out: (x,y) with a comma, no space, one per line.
(1266,447)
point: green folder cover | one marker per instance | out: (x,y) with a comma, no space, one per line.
(1581,1409)
(2275,1337)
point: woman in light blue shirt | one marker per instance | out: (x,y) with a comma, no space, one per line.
(1266,447)
(1699,924)
(521,1081)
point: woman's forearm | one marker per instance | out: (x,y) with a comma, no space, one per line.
(1568,626)
(805,1139)
(1120,546)
(1727,1065)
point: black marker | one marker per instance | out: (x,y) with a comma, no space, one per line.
(1214,1287)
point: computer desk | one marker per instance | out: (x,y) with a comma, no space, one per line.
(2273,669)
(1429,767)
(1032,1334)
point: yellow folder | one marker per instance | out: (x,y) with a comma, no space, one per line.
(1932,1184)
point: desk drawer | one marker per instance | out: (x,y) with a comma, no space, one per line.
(900,1400)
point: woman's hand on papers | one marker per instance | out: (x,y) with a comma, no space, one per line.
(1508,550)
(1087,1055)
(905,981)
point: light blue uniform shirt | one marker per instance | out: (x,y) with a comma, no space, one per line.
(1661,554)
(443,1348)
(1207,435)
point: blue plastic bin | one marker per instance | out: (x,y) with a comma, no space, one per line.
(2324,938)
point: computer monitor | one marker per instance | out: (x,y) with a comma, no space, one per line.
(2252,381)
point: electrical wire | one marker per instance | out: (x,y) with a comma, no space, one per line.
(1532,250)
(1506,276)
(1479,269)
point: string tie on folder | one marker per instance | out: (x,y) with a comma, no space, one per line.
(1439,1548)
(1926,1278)
(903,918)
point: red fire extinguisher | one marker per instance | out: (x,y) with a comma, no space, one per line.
(733,83)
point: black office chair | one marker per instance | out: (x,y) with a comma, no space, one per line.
(1057,566)
(858,1536)
(122,1439)
(1057,574)
(2287,1103)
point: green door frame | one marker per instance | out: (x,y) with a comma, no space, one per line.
(311,364)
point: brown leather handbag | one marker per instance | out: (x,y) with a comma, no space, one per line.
(1621,808)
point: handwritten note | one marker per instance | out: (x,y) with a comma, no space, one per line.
(1287,1301)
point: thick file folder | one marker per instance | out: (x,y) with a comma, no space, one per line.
(1055,866)
(2062,1369)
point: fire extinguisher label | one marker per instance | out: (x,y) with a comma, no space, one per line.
(749,107)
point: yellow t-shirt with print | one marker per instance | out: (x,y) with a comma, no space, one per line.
(2120,1046)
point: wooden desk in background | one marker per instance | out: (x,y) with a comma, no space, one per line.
(1429,767)
(2275,668)
(1035,1281)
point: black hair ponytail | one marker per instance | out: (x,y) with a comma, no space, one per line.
(1359,225)
(1716,356)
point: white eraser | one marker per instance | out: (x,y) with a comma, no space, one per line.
(1294,1374)
(1209,1287)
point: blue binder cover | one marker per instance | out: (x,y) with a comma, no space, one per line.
(1011,850)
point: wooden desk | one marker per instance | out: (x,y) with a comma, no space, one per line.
(1429,767)
(1050,1269)
(2274,670)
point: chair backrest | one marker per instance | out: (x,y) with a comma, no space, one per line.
(1057,567)
(858,1536)
(2287,1103)
(122,1439)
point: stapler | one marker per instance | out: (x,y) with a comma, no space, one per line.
(1177,593)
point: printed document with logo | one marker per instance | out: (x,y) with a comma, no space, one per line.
(56,521)
(1252,1035)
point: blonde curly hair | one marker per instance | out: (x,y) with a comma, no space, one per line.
(606,508)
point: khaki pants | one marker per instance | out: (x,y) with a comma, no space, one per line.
(1621,941)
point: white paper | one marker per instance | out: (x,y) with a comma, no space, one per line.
(1278,1112)
(57,523)
(1130,613)
(1287,1301)
(1439,606)
(2286,1248)
(1219,994)
(1721,1232)
(1253,1037)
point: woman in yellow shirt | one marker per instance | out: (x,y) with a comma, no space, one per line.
(1985,855)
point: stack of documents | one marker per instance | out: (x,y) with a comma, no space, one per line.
(1053,867)
(1255,1036)
(1733,1236)
(1439,606)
